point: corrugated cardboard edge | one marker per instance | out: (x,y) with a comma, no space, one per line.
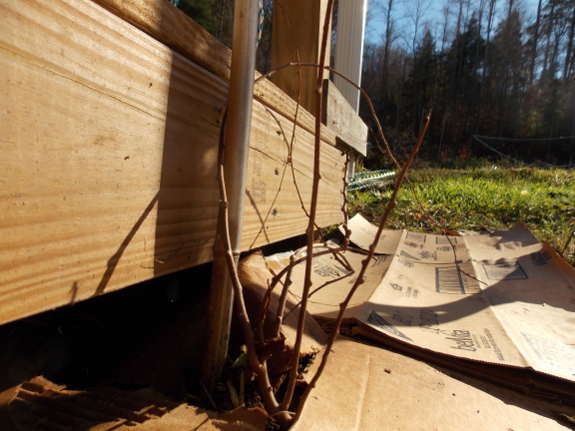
(41,404)
(524,380)
(365,387)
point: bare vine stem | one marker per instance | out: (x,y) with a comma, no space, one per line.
(277,279)
(312,215)
(361,90)
(360,279)
(280,410)
(297,108)
(283,299)
(344,209)
(258,367)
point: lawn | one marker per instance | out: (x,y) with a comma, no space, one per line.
(478,198)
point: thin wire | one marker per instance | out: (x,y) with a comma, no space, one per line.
(545,165)
(524,140)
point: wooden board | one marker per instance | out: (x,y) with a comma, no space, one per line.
(342,119)
(108,159)
(298,26)
(272,192)
(165,23)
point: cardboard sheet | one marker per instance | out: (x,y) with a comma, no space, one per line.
(255,277)
(38,404)
(332,282)
(369,388)
(502,299)
(363,233)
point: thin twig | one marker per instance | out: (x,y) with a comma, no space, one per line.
(240,305)
(361,90)
(327,250)
(344,208)
(317,289)
(209,396)
(313,209)
(360,279)
(257,366)
(277,279)
(282,301)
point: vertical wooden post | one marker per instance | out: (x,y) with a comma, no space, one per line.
(305,28)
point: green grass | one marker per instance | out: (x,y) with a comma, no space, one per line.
(480,198)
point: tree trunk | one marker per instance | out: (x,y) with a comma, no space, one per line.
(534,47)
(569,54)
(386,48)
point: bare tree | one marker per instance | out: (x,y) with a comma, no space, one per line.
(388,40)
(447,11)
(569,55)
(416,11)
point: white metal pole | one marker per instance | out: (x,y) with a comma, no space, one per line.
(237,134)
(240,112)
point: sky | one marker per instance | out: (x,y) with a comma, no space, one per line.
(403,13)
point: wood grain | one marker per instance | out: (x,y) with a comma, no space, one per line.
(108,159)
(298,29)
(165,23)
(342,119)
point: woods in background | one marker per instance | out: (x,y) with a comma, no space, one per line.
(488,67)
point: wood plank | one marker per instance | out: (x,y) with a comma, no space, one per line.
(270,186)
(298,24)
(164,22)
(108,159)
(167,24)
(342,119)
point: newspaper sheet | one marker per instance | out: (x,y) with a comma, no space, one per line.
(502,298)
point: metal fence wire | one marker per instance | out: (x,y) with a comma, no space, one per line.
(365,179)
